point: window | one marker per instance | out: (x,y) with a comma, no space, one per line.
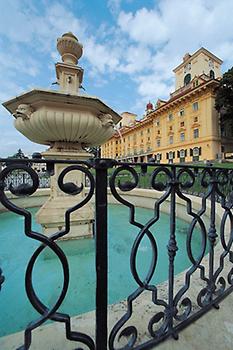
(182,154)
(195,106)
(182,124)
(170,128)
(181,112)
(195,153)
(187,79)
(142,133)
(157,122)
(195,83)
(195,119)
(148,131)
(196,133)
(212,75)
(170,156)
(170,117)
(171,140)
(158,132)
(158,143)
(182,136)
(116,142)
(148,138)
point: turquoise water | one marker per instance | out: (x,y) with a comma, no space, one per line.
(16,250)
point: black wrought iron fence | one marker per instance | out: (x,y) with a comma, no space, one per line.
(207,280)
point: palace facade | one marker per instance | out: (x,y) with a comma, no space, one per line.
(184,128)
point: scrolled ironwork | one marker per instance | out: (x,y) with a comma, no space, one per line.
(161,185)
(131,332)
(46,312)
(206,281)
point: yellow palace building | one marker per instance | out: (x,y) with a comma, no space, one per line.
(184,128)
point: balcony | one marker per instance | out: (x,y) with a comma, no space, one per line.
(181,90)
(156,309)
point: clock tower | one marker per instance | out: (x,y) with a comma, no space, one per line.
(202,62)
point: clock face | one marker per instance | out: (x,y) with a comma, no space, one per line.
(187,67)
(211,63)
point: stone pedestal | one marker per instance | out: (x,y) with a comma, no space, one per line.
(52,214)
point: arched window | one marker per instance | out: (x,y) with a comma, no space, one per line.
(187,79)
(212,75)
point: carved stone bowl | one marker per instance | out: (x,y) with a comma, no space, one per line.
(52,117)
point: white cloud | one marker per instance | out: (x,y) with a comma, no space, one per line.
(145,26)
(101,56)
(136,58)
(144,45)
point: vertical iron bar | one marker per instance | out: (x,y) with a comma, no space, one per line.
(101,258)
(212,238)
(172,248)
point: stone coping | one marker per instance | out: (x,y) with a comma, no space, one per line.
(143,306)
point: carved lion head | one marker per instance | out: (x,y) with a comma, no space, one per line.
(23,111)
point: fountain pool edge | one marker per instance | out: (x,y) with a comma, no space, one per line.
(142,198)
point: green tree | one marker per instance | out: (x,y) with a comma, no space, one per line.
(19,155)
(224,96)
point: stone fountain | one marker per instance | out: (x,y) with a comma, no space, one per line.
(67,122)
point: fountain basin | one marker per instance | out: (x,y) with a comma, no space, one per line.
(53,117)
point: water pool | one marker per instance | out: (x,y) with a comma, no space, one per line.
(16,249)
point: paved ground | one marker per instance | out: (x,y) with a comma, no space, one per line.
(212,331)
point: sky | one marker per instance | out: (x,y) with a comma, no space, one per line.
(130,49)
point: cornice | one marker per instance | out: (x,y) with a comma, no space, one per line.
(195,54)
(184,96)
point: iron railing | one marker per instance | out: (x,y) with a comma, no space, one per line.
(19,177)
(180,303)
